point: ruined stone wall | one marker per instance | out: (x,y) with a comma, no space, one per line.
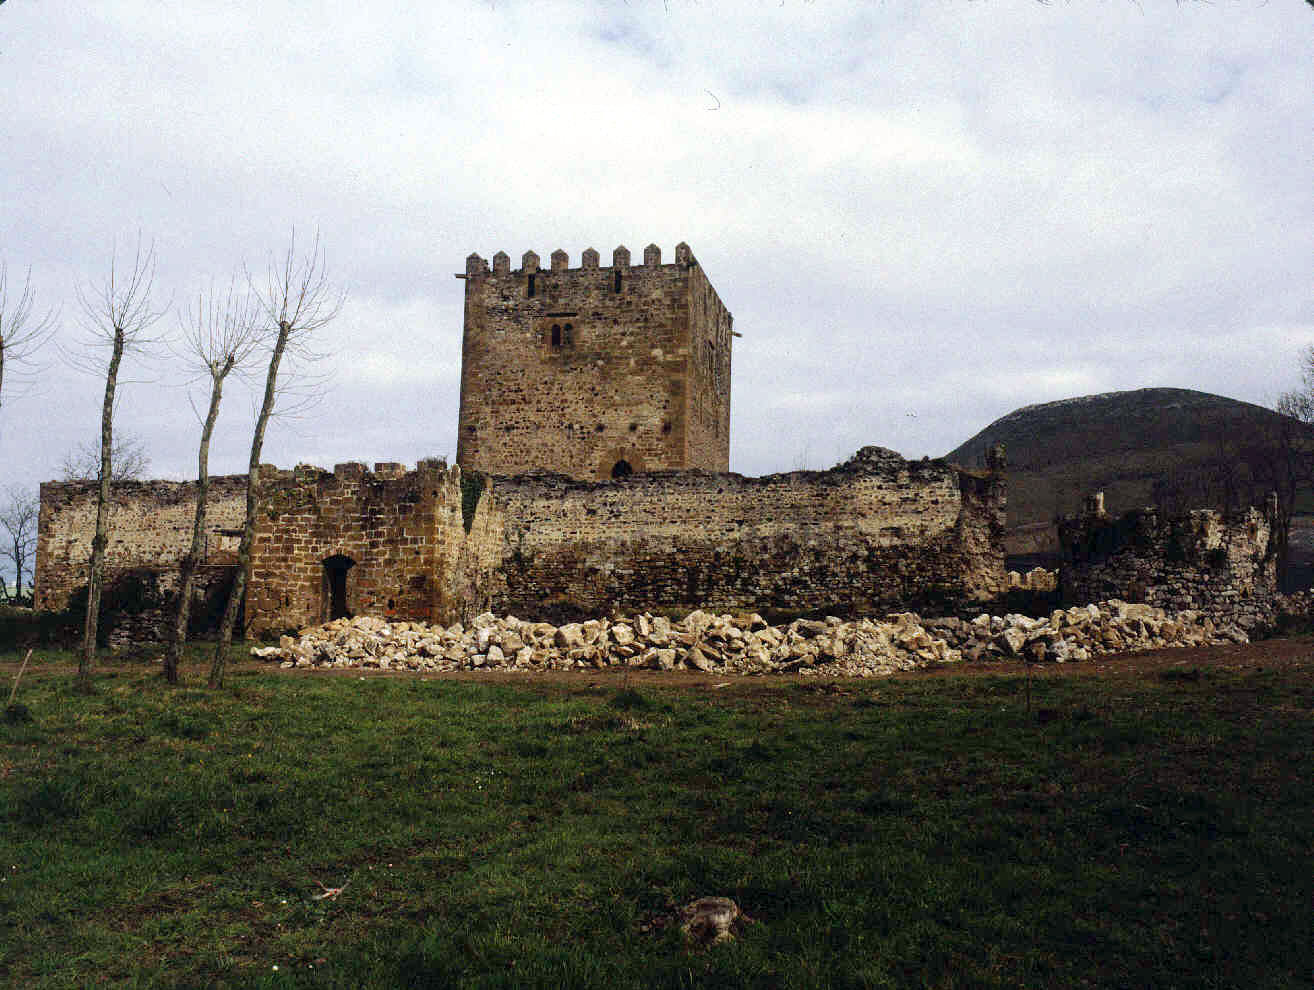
(1203,560)
(576,369)
(150,527)
(138,605)
(398,537)
(873,535)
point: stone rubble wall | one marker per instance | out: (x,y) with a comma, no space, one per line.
(873,535)
(145,613)
(1220,564)
(404,533)
(150,526)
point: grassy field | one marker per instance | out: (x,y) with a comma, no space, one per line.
(1141,831)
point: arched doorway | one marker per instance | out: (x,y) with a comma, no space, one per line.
(621,469)
(335,586)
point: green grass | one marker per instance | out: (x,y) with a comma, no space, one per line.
(1149,832)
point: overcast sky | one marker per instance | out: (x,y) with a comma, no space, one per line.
(922,216)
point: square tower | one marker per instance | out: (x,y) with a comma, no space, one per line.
(594,372)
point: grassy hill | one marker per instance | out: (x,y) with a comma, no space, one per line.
(1120,443)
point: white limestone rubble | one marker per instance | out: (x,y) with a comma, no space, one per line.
(746,644)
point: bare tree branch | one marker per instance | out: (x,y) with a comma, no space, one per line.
(21,333)
(221,334)
(128,458)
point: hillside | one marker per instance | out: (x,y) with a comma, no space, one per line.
(1120,443)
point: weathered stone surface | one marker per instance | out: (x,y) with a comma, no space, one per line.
(1222,564)
(415,546)
(577,370)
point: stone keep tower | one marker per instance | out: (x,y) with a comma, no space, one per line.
(594,372)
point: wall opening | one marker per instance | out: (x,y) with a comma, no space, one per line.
(616,282)
(621,469)
(335,586)
(529,288)
(556,335)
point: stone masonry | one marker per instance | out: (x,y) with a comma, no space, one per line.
(1204,560)
(350,542)
(594,372)
(150,527)
(437,545)
(591,477)
(875,534)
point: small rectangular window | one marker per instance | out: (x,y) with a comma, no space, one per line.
(530,287)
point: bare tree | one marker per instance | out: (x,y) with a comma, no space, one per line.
(220,336)
(1290,466)
(18,519)
(117,315)
(297,301)
(128,460)
(1299,402)
(21,333)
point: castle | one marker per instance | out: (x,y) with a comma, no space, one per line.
(591,475)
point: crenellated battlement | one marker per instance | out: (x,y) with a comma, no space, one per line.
(530,262)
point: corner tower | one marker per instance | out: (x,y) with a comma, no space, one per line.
(593,372)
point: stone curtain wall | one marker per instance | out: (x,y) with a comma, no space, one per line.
(150,527)
(575,369)
(403,532)
(873,535)
(1202,560)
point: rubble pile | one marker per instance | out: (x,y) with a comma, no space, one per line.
(732,644)
(1076,634)
(744,644)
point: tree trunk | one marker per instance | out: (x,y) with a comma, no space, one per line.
(96,571)
(187,577)
(248,527)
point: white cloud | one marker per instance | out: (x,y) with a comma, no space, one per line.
(922,216)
